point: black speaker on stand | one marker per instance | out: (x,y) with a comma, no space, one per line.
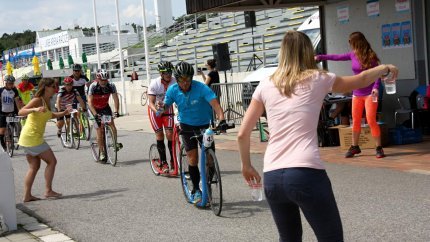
(251,22)
(222,58)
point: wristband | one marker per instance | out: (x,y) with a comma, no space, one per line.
(387,73)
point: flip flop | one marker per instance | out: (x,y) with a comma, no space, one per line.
(56,196)
(32,199)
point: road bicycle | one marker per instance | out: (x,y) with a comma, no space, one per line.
(109,140)
(210,174)
(70,136)
(154,157)
(144,96)
(84,124)
(12,133)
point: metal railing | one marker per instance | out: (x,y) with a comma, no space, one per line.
(234,99)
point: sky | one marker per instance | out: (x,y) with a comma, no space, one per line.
(49,14)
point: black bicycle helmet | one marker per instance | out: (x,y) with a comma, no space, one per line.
(165,66)
(183,69)
(9,79)
(77,67)
(25,77)
(102,74)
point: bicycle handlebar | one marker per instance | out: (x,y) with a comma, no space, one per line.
(217,130)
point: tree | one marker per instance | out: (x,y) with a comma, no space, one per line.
(61,63)
(49,64)
(70,61)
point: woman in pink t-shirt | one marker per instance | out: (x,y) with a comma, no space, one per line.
(294,175)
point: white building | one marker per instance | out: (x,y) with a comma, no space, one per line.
(163,14)
(54,44)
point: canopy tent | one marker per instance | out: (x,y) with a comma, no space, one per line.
(22,55)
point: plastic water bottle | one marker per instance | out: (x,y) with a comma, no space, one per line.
(256,191)
(390,83)
(208,138)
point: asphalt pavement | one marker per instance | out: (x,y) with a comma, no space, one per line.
(130,203)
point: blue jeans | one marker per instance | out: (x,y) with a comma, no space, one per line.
(291,189)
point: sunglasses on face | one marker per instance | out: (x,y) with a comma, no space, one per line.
(184,79)
(69,85)
(166,73)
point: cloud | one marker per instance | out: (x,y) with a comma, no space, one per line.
(48,14)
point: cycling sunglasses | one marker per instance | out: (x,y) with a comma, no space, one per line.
(184,79)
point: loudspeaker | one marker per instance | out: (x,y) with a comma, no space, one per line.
(250,20)
(221,56)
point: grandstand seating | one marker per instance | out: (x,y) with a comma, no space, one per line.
(195,45)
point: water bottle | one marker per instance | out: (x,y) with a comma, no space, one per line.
(390,83)
(208,138)
(256,191)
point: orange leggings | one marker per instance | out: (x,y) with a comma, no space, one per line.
(358,104)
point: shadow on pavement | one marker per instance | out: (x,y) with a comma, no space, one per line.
(132,162)
(244,209)
(95,194)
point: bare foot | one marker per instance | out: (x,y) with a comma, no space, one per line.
(31,199)
(53,195)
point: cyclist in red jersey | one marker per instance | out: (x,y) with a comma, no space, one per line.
(156,92)
(98,102)
(65,97)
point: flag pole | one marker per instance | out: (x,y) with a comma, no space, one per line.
(121,58)
(99,65)
(145,41)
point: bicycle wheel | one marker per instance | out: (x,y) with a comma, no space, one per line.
(176,143)
(110,145)
(65,137)
(75,133)
(214,185)
(16,134)
(9,140)
(95,151)
(86,130)
(186,183)
(154,159)
(144,97)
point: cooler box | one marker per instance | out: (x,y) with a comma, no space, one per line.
(402,135)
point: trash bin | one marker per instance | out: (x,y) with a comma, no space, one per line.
(7,191)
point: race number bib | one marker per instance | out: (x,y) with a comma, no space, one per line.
(106,118)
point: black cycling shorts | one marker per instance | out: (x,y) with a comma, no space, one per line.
(104,111)
(3,119)
(187,131)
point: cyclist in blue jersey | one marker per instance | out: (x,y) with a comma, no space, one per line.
(195,102)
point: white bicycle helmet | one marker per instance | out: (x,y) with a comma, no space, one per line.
(102,74)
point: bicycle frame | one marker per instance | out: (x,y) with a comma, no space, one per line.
(202,165)
(176,142)
(12,123)
(68,123)
(104,122)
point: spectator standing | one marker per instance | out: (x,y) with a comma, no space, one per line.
(294,174)
(212,77)
(32,142)
(362,58)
